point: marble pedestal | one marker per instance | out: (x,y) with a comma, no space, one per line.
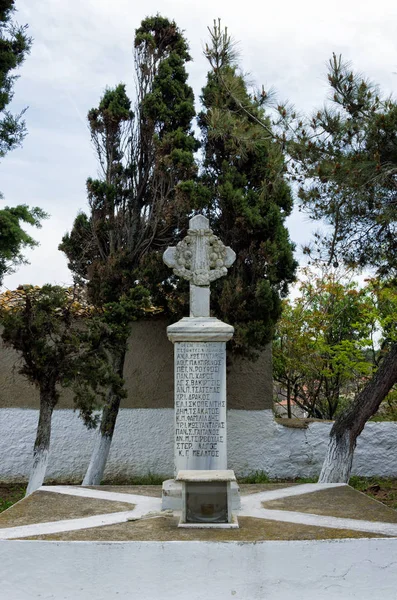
(200,393)
(200,399)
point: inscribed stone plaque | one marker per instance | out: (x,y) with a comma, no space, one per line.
(200,405)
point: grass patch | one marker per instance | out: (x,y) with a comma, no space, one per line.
(9,494)
(262,477)
(256,477)
(382,489)
(149,479)
(363,483)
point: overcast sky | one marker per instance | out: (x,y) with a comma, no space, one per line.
(82,46)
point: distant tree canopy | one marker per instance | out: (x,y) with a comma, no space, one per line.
(324,349)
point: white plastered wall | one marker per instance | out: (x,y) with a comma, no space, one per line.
(144,441)
(293,570)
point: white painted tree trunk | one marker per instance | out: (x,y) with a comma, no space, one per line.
(349,424)
(100,453)
(96,468)
(43,437)
(338,461)
(38,471)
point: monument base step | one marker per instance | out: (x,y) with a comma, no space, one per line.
(172,495)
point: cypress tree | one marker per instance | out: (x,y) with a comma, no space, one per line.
(244,193)
(135,210)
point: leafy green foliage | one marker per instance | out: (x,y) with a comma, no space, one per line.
(344,158)
(384,292)
(13,238)
(388,409)
(119,315)
(320,351)
(14,45)
(330,340)
(148,479)
(256,477)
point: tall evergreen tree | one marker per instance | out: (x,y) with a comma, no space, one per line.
(134,208)
(244,193)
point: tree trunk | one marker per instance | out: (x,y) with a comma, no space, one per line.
(348,426)
(289,414)
(42,443)
(100,453)
(338,461)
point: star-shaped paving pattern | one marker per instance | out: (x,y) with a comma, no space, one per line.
(308,510)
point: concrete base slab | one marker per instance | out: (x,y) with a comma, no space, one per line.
(301,542)
(172,495)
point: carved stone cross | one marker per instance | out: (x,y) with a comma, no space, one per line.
(200,258)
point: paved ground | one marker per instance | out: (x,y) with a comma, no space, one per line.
(268,512)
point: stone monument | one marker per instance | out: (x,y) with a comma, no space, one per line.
(200,355)
(200,352)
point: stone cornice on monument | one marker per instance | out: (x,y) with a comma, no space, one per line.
(200,329)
